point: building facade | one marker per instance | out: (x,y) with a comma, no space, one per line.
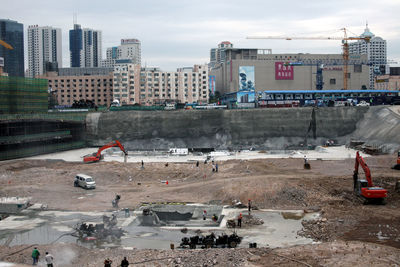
(44,49)
(376,52)
(257,69)
(129,52)
(85,47)
(151,86)
(217,55)
(390,81)
(74,85)
(12,33)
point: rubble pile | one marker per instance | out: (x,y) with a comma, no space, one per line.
(316,229)
(290,195)
(252,220)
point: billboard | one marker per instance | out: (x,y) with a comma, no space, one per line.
(246,78)
(211,84)
(245,97)
(283,71)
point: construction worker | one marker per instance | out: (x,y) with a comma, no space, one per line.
(107,262)
(204,214)
(249,206)
(240,217)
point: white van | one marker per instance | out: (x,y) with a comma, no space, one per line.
(84,181)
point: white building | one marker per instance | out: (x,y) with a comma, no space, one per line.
(44,48)
(377,54)
(85,47)
(217,55)
(151,86)
(129,52)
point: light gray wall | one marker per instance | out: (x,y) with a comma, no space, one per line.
(222,129)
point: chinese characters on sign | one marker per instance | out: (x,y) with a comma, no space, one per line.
(283,71)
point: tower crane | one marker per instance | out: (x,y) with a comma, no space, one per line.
(6,45)
(345,45)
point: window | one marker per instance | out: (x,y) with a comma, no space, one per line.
(332,81)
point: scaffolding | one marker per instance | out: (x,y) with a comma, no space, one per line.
(23,95)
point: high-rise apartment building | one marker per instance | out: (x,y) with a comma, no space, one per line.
(128,52)
(151,86)
(218,55)
(44,49)
(376,52)
(85,47)
(12,33)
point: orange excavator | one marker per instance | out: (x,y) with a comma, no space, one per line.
(397,166)
(95,157)
(365,187)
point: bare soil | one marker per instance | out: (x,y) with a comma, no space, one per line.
(350,232)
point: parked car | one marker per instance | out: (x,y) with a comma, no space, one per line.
(84,181)
(363,104)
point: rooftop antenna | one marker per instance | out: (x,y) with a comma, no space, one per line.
(75,18)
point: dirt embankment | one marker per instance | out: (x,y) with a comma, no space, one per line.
(351,233)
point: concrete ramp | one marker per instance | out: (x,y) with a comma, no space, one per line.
(379,127)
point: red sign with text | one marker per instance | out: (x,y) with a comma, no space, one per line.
(283,71)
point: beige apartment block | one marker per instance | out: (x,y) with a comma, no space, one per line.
(387,82)
(301,71)
(97,88)
(151,86)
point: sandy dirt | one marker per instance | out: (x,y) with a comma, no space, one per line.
(349,233)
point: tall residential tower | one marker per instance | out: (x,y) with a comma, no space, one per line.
(44,50)
(128,52)
(85,47)
(12,33)
(375,51)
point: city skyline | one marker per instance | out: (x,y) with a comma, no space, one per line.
(178,33)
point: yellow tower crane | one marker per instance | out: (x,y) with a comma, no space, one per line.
(345,45)
(8,47)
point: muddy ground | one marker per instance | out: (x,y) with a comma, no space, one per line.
(349,233)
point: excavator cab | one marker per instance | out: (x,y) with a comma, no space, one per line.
(397,166)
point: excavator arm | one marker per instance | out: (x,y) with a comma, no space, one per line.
(360,161)
(97,156)
(365,188)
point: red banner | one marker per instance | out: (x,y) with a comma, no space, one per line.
(283,71)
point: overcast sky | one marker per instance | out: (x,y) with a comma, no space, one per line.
(178,33)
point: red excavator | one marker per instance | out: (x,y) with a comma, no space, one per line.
(397,166)
(365,187)
(95,157)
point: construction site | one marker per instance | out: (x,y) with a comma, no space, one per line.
(169,189)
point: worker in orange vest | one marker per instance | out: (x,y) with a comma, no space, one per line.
(240,217)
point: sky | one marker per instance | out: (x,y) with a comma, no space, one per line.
(180,33)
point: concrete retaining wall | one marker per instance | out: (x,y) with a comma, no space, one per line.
(225,129)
